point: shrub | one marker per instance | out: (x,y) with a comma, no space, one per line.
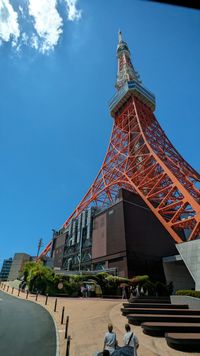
(79,277)
(190,293)
(139,279)
(161,289)
(117,280)
(41,278)
(149,287)
(71,289)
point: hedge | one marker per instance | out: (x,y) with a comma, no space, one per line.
(43,279)
(190,293)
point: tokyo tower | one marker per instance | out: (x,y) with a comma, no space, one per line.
(141,159)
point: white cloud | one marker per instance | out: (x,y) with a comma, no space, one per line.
(35,23)
(24,38)
(34,41)
(47,24)
(72,12)
(9,27)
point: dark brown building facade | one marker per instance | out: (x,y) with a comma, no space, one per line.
(129,237)
(126,237)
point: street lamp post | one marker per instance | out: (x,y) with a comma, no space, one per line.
(40,244)
(79,262)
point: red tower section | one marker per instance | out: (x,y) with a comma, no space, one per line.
(140,158)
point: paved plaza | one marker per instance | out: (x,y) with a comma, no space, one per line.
(88,323)
(88,319)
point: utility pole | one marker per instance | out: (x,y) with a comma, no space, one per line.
(40,244)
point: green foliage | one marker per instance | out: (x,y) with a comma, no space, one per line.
(80,277)
(161,289)
(40,278)
(117,280)
(28,266)
(190,293)
(71,289)
(102,275)
(101,279)
(153,288)
(139,279)
(149,287)
(43,279)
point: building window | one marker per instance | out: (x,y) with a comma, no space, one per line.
(99,266)
(70,242)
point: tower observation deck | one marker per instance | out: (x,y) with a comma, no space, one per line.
(141,159)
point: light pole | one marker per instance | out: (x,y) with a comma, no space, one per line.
(79,263)
(40,244)
(79,256)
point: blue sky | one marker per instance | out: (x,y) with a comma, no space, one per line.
(57,77)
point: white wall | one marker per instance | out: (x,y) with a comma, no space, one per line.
(190,253)
(177,272)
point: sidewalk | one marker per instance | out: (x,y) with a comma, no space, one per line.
(88,319)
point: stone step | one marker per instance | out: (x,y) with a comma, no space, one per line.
(137,319)
(160,328)
(184,341)
(154,305)
(146,311)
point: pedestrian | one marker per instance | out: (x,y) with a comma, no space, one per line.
(130,339)
(85,291)
(124,296)
(142,291)
(82,291)
(89,288)
(132,292)
(110,340)
(137,291)
(127,289)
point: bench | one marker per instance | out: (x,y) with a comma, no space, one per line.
(126,311)
(184,341)
(152,305)
(137,319)
(160,328)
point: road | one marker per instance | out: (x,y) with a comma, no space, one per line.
(25,328)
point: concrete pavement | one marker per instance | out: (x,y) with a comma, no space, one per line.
(25,328)
(88,319)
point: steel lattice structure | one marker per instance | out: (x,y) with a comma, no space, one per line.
(140,158)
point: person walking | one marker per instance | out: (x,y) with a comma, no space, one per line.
(137,291)
(130,339)
(110,340)
(124,296)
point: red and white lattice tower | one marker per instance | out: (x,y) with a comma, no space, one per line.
(140,158)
